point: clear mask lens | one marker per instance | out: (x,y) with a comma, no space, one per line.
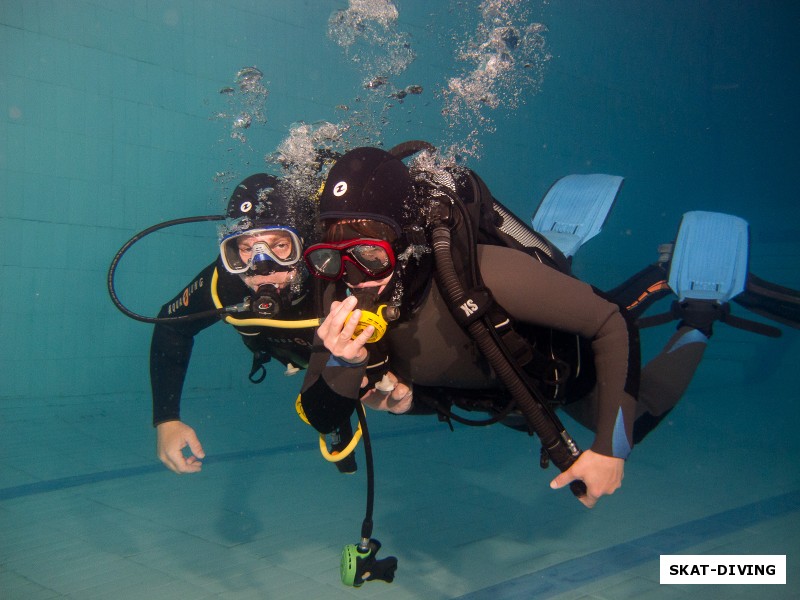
(373,259)
(261,250)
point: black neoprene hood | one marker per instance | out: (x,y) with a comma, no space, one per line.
(369,183)
(267,201)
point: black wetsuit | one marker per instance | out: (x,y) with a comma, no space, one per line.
(431,349)
(171,346)
(433,353)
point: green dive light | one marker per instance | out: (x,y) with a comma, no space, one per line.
(359,564)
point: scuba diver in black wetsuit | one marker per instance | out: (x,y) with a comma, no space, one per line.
(260,286)
(384,231)
(377,248)
(259,265)
(439,297)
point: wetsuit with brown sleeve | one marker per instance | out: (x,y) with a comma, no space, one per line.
(431,348)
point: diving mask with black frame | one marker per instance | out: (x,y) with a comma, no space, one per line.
(373,258)
(261,251)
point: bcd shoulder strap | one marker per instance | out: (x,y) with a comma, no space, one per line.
(545,367)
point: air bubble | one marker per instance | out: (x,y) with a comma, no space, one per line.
(505,60)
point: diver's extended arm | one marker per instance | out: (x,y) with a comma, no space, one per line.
(543,296)
(171,345)
(170,353)
(336,370)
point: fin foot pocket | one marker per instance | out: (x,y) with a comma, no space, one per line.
(700,314)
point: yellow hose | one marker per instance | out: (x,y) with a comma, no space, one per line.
(323,446)
(341,454)
(276,323)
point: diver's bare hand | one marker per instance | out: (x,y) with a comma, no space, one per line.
(397,400)
(171,438)
(601,474)
(337,335)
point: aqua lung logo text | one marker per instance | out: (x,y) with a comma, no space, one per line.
(469,307)
(289,342)
(183,299)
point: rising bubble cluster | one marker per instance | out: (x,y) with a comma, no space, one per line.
(500,58)
(246,102)
(306,154)
(504,62)
(367,31)
(244,108)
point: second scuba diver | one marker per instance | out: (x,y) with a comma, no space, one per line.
(381,228)
(260,265)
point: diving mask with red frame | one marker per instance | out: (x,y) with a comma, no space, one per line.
(373,258)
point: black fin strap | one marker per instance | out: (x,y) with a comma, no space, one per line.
(655,320)
(703,318)
(752,326)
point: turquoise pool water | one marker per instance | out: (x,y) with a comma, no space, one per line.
(118,115)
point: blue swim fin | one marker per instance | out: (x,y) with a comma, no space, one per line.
(574,209)
(708,269)
(709,261)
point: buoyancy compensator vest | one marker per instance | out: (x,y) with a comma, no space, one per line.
(559,362)
(461,215)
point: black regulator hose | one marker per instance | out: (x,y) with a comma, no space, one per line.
(366,526)
(561,448)
(112,270)
(359,562)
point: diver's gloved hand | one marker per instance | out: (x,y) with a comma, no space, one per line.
(360,565)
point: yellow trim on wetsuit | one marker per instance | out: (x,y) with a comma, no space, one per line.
(278,324)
